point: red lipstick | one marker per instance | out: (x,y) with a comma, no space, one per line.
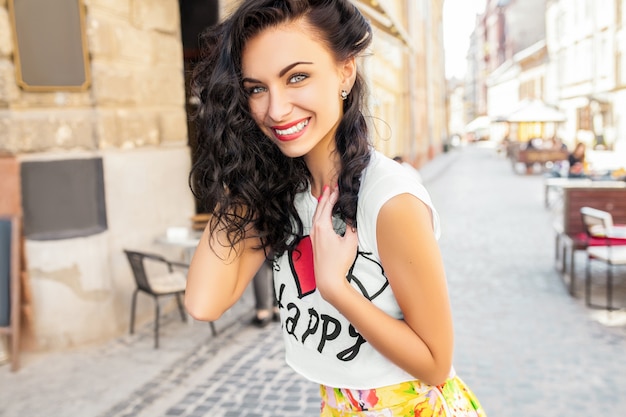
(290,131)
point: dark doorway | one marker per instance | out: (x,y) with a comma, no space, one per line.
(195,17)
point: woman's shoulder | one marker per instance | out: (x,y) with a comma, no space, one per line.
(385,179)
(383,170)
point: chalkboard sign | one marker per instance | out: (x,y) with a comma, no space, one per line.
(10,294)
(5,271)
(63,199)
(51,48)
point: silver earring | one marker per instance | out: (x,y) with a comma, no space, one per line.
(344,94)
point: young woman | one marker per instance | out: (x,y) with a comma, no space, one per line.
(285,166)
(577,161)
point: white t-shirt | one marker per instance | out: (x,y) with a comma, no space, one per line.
(320,343)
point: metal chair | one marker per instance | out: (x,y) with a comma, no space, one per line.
(599,225)
(169,282)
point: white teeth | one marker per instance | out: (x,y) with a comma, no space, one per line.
(293,129)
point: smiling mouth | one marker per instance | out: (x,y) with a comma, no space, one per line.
(293,130)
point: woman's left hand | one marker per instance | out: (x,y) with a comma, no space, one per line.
(333,255)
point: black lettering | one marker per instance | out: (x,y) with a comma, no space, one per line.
(281,292)
(326,336)
(311,328)
(350,353)
(291,322)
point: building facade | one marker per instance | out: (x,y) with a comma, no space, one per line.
(586,72)
(407,77)
(577,65)
(501,33)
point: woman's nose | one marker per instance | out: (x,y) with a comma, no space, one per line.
(279,105)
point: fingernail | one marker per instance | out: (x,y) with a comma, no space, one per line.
(322,193)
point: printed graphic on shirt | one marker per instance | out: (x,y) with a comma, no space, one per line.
(309,326)
(301,263)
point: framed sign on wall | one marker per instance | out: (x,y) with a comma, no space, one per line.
(63,198)
(50,45)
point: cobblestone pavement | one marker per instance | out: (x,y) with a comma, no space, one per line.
(523,345)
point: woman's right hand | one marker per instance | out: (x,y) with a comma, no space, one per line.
(333,255)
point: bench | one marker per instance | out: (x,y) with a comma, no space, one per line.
(570,231)
(532,156)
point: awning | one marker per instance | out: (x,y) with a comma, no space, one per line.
(535,111)
(479,123)
(380,17)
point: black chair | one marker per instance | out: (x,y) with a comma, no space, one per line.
(171,281)
(599,225)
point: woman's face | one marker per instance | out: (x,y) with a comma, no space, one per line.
(294,87)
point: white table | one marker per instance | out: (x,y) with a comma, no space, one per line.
(184,238)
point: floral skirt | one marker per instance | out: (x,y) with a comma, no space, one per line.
(412,398)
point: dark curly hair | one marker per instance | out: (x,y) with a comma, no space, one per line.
(239,175)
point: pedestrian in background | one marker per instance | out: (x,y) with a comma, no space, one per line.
(286,166)
(265,307)
(399,159)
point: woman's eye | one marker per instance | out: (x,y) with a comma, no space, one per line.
(297,78)
(255,90)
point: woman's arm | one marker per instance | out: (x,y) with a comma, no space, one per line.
(422,343)
(219,274)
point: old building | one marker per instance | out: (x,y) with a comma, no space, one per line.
(502,32)
(586,73)
(575,63)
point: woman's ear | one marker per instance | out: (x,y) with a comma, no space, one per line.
(348,74)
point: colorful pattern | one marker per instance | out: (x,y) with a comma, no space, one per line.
(407,399)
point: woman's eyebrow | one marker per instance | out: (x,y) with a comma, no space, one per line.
(288,67)
(280,74)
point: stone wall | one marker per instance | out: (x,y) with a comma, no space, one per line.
(132,116)
(137,93)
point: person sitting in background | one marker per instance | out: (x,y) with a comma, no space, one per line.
(577,161)
(399,159)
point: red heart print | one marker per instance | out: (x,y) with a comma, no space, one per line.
(301,263)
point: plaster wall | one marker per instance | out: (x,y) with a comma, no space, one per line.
(82,287)
(132,115)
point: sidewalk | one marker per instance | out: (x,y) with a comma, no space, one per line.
(93,381)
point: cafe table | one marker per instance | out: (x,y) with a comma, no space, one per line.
(183,238)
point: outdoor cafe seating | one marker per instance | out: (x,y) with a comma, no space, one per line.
(570,233)
(157,277)
(611,250)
